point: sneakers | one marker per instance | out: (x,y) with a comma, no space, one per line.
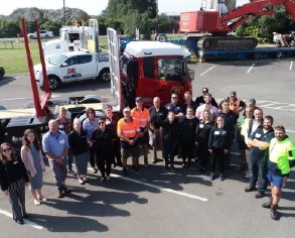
(42,199)
(37,202)
(249,189)
(19,221)
(221,177)
(274,213)
(95,170)
(259,195)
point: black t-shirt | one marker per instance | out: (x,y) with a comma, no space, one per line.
(103,142)
(202,132)
(188,128)
(157,117)
(78,142)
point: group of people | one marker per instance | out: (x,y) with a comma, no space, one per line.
(197,128)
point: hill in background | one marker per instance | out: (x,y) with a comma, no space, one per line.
(53,15)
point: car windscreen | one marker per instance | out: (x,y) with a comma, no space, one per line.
(56,60)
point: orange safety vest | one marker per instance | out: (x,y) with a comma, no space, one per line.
(142,117)
(127,129)
(234,106)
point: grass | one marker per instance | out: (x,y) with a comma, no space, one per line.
(14,60)
(13,55)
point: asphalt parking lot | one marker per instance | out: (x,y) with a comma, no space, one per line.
(157,204)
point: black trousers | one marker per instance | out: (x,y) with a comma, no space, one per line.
(92,157)
(17,199)
(105,164)
(203,155)
(187,150)
(219,156)
(117,151)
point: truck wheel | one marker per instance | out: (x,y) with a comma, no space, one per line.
(31,37)
(46,36)
(54,82)
(162,37)
(104,75)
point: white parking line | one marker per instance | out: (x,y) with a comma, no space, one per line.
(206,71)
(251,67)
(160,188)
(26,221)
(291,65)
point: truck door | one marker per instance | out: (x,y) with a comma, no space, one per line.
(70,69)
(87,66)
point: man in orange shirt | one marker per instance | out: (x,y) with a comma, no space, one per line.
(142,116)
(128,131)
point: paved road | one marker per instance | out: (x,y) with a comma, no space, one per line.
(155,204)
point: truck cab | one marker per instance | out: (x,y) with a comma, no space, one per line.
(150,68)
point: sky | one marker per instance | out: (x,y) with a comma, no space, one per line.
(94,7)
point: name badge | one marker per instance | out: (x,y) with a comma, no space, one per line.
(216,132)
(201,126)
(15,162)
(257,135)
(61,126)
(62,141)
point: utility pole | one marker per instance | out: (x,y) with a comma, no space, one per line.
(64,11)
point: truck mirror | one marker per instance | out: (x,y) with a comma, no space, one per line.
(64,64)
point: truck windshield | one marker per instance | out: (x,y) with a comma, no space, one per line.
(170,68)
(57,60)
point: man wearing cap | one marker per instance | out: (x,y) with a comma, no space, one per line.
(207,106)
(235,104)
(200,100)
(142,116)
(128,131)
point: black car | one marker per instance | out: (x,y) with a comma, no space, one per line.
(2,72)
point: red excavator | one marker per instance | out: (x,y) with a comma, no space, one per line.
(214,21)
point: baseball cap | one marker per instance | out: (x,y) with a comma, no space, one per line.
(252,100)
(126,109)
(232,94)
(205,90)
(137,99)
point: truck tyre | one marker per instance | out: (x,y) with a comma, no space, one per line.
(46,36)
(31,37)
(1,74)
(54,82)
(162,37)
(104,75)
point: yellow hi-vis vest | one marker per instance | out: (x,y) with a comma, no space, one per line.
(280,152)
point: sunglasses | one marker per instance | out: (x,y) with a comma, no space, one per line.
(6,149)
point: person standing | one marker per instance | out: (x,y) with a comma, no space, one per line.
(281,159)
(202,138)
(236,104)
(187,127)
(218,145)
(103,138)
(55,146)
(142,116)
(258,144)
(175,107)
(187,96)
(13,179)
(79,146)
(207,106)
(170,140)
(32,158)
(89,125)
(128,132)
(158,114)
(112,122)
(200,100)
(65,124)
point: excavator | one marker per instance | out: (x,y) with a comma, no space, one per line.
(211,26)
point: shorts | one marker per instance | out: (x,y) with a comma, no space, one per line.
(155,139)
(133,151)
(275,179)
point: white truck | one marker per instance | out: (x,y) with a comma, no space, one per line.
(74,38)
(73,66)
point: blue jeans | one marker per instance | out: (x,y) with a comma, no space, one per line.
(259,172)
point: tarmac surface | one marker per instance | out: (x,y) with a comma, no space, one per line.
(157,204)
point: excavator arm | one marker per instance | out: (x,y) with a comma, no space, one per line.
(239,15)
